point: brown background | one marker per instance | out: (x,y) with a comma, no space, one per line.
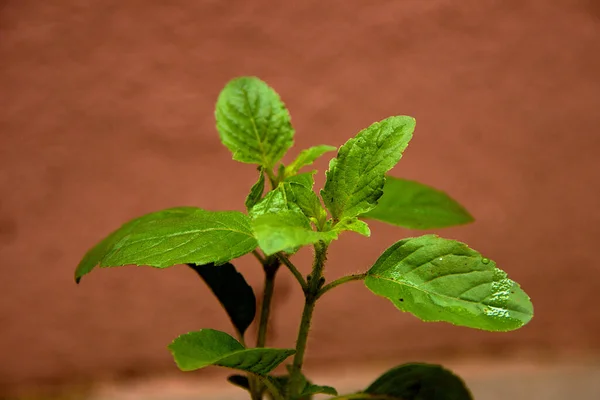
(106,113)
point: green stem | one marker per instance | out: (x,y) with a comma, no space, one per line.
(272,389)
(270,266)
(311,294)
(337,282)
(286,261)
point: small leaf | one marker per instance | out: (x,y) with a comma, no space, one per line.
(206,347)
(416,206)
(275,201)
(311,389)
(355,178)
(253,122)
(286,230)
(232,290)
(418,382)
(256,191)
(355,225)
(307,157)
(298,189)
(173,236)
(444,280)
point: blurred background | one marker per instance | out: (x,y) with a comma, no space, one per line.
(106,113)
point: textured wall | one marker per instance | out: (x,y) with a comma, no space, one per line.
(106,112)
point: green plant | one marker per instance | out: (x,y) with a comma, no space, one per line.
(433,278)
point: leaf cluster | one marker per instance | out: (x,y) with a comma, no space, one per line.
(432,278)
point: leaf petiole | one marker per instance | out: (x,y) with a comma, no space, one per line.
(297,274)
(342,280)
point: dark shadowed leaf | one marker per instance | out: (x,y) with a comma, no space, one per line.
(419,382)
(232,290)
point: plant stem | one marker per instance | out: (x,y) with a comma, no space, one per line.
(311,294)
(259,257)
(337,282)
(293,270)
(270,266)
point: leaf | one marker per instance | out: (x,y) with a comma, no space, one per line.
(232,290)
(298,189)
(273,202)
(418,382)
(307,389)
(311,389)
(286,230)
(416,206)
(355,225)
(206,347)
(173,236)
(307,157)
(355,178)
(240,381)
(256,191)
(253,122)
(444,280)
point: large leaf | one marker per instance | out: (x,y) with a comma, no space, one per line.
(174,236)
(417,382)
(355,178)
(256,191)
(206,347)
(253,122)
(307,157)
(444,280)
(285,231)
(416,206)
(232,290)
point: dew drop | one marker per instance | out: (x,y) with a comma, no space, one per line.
(440,259)
(485,260)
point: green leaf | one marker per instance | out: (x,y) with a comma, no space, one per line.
(174,236)
(307,389)
(256,191)
(206,347)
(286,230)
(444,280)
(355,225)
(310,390)
(232,290)
(274,201)
(416,206)
(298,189)
(355,178)
(253,122)
(417,382)
(307,157)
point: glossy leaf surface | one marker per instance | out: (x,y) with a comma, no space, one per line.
(438,279)
(356,176)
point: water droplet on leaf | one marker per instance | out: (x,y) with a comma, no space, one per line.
(485,260)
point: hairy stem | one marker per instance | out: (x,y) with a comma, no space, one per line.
(286,261)
(311,294)
(337,282)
